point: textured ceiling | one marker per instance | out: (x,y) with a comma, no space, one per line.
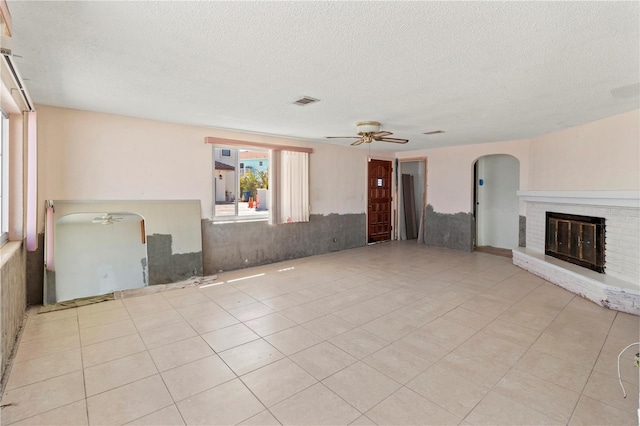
(480,71)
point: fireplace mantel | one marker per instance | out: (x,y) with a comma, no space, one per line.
(589,198)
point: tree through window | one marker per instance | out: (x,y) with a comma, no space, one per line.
(241,183)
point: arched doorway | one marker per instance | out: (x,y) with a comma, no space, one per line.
(496,209)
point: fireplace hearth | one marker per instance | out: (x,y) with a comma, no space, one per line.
(576,239)
(619,286)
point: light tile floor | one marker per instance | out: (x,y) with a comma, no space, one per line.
(396,333)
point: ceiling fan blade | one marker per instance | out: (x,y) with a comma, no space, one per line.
(394,140)
(381,134)
(342,137)
(358,142)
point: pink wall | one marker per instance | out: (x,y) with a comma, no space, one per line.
(606,157)
(450,172)
(86,155)
(602,155)
(92,156)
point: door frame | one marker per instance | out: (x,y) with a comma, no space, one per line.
(391,202)
(397,198)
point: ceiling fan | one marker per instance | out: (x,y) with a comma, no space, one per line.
(369,131)
(106,219)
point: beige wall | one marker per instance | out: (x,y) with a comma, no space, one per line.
(450,172)
(603,155)
(85,155)
(180,219)
(92,156)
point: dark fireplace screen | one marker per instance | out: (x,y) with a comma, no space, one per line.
(576,239)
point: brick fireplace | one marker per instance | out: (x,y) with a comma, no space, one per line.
(619,286)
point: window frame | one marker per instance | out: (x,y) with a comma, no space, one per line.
(275,172)
(236,149)
(4,178)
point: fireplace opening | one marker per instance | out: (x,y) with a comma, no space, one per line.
(576,239)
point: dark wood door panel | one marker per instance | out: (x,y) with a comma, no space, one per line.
(379,201)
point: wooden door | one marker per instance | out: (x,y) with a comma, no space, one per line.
(379,201)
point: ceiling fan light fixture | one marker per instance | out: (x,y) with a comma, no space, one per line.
(369,131)
(365,127)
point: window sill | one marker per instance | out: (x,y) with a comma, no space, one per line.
(221,221)
(8,250)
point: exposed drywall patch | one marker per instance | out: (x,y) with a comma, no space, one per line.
(166,267)
(449,230)
(522,234)
(143,262)
(35,273)
(231,246)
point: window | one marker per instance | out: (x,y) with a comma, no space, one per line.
(241,183)
(260,181)
(4,178)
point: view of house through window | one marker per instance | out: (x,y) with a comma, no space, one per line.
(241,182)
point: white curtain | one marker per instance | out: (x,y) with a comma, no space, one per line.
(293,190)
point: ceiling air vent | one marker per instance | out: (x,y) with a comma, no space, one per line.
(435,132)
(306,100)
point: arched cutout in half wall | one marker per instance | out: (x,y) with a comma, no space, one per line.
(496,205)
(98,253)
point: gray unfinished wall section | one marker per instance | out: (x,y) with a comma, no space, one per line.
(35,273)
(232,246)
(12,302)
(522,234)
(51,287)
(165,266)
(449,230)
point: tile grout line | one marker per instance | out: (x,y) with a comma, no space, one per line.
(10,366)
(519,358)
(511,368)
(165,386)
(586,382)
(478,331)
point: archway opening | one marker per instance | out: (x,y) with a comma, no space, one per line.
(496,205)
